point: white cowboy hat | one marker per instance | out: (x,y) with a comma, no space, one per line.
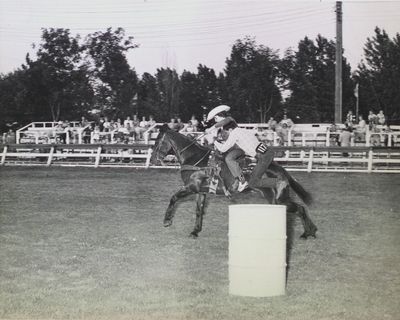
(217,110)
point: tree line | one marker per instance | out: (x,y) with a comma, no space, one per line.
(71,76)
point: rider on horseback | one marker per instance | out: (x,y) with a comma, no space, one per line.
(247,143)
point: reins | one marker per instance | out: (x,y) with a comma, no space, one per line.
(180,152)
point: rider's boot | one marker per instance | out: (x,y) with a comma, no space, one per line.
(243,184)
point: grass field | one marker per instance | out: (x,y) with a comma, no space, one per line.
(80,243)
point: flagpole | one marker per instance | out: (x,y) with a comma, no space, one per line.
(356,94)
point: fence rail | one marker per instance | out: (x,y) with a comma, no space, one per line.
(299,158)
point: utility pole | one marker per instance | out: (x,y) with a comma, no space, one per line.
(338,69)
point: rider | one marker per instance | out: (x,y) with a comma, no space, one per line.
(248,144)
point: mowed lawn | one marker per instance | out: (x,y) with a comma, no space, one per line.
(85,243)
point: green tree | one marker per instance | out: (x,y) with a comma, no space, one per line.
(114,81)
(56,83)
(168,84)
(379,75)
(199,92)
(309,76)
(149,97)
(251,81)
(14,106)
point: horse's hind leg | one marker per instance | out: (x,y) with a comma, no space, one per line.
(169,214)
(200,202)
(309,227)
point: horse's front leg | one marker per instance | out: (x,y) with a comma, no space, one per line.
(200,202)
(169,214)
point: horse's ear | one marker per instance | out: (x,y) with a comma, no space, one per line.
(164,127)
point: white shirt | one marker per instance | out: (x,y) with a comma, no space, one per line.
(243,138)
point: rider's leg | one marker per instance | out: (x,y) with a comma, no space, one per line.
(231,160)
(256,178)
(264,161)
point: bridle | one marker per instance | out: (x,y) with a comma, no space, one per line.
(157,149)
(178,152)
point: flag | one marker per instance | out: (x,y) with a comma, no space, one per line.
(356,91)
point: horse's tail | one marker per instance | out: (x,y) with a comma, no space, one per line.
(304,195)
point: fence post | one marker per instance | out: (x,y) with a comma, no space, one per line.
(370,158)
(50,159)
(328,138)
(367,138)
(149,152)
(310,160)
(3,156)
(275,138)
(97,161)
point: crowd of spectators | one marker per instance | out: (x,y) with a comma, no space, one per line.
(375,125)
(133,129)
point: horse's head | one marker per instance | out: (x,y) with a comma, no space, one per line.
(162,146)
(187,150)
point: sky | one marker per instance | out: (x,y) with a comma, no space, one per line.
(181,34)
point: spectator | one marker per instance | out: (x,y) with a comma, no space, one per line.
(141,128)
(372,118)
(151,121)
(333,135)
(118,124)
(203,123)
(345,139)
(69,131)
(179,124)
(272,124)
(123,132)
(96,134)
(194,122)
(283,133)
(84,122)
(361,129)
(135,121)
(106,125)
(59,132)
(350,118)
(101,123)
(144,123)
(113,125)
(86,134)
(127,121)
(381,118)
(172,124)
(189,127)
(10,137)
(375,137)
(289,123)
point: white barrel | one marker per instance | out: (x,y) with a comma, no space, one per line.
(257,250)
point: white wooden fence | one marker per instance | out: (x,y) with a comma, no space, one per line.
(309,159)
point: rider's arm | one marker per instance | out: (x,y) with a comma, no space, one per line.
(229,143)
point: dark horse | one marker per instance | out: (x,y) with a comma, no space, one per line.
(197,175)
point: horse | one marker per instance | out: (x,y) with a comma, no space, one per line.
(198,177)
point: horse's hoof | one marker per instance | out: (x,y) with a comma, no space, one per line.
(167,223)
(193,235)
(306,235)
